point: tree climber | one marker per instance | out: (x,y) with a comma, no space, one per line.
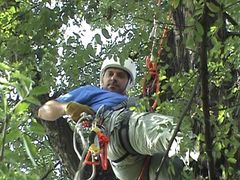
(133,136)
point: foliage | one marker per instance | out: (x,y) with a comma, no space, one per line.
(43,49)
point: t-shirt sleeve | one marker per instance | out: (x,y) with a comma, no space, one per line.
(92,96)
(79,95)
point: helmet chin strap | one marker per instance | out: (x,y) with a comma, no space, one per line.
(127,85)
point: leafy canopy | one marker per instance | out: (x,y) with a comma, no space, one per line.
(43,49)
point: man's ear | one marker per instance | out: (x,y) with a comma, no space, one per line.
(101,79)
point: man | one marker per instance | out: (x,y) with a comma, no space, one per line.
(144,133)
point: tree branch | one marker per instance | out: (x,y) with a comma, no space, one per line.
(205,92)
(4,131)
(49,171)
(177,128)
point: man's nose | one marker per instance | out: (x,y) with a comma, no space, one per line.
(114,76)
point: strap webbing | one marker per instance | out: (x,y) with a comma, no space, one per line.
(124,135)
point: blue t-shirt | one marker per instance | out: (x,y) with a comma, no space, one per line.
(93,96)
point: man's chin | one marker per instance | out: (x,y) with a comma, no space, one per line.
(113,89)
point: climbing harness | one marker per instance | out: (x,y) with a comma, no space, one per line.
(94,142)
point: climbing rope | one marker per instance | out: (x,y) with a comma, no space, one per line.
(151,83)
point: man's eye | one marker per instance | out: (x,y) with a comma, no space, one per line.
(111,74)
(120,75)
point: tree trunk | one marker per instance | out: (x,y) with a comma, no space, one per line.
(60,137)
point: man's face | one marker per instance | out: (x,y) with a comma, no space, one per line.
(115,80)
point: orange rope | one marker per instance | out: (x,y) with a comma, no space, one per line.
(149,89)
(153,71)
(162,40)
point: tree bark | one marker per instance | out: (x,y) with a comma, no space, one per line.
(205,94)
(60,137)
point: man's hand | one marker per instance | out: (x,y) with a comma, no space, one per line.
(75,110)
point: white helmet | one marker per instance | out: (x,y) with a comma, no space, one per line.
(129,66)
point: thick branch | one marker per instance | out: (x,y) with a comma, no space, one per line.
(205,93)
(4,131)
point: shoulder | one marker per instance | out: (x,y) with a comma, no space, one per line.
(91,88)
(86,88)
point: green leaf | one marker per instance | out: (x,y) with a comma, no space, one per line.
(221,116)
(21,107)
(23,85)
(24,80)
(21,91)
(106,33)
(33,100)
(98,39)
(37,128)
(5,67)
(30,148)
(232,160)
(199,28)
(200,137)
(175,3)
(13,134)
(39,90)
(190,42)
(214,8)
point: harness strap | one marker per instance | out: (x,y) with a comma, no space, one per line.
(108,111)
(125,142)
(124,136)
(121,158)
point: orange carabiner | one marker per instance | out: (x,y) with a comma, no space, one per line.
(90,162)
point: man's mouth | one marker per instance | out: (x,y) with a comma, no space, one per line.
(113,86)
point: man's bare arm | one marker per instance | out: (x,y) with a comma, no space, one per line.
(52,110)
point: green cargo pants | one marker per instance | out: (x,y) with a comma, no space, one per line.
(149,134)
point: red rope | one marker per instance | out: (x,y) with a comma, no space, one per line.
(152,87)
(103,140)
(144,168)
(149,89)
(103,156)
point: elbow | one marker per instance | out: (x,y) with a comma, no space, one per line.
(45,113)
(42,112)
(50,111)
